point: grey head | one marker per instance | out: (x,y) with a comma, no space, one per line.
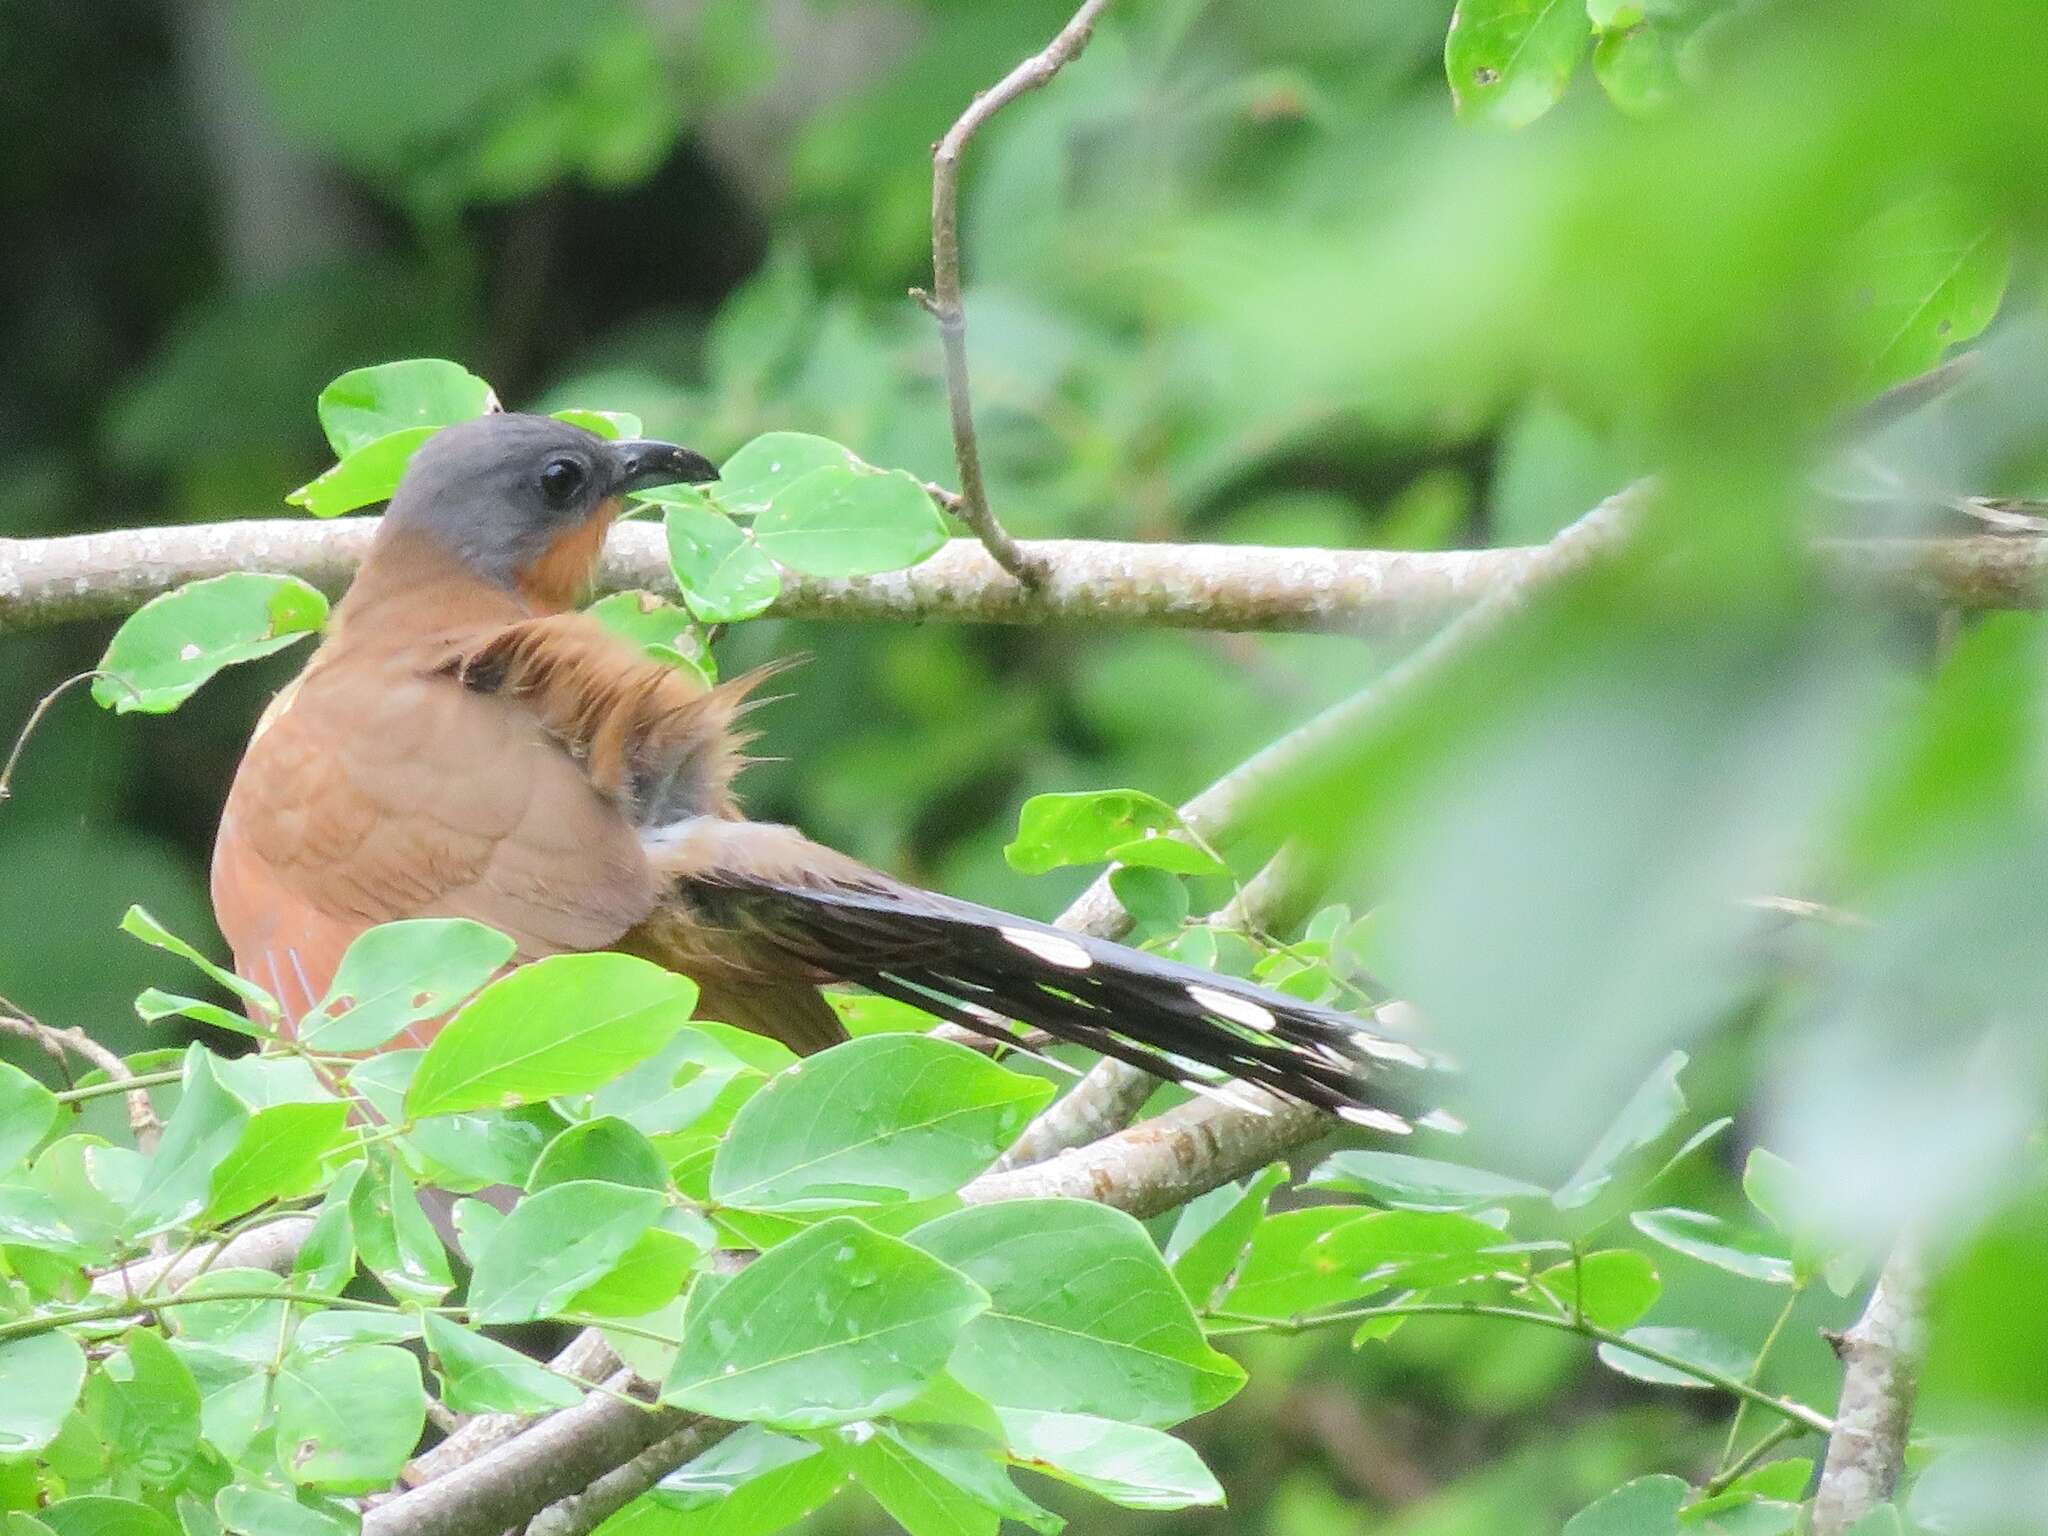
(501,491)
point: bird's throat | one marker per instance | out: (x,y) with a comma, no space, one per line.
(557,579)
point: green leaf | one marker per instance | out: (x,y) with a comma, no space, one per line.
(1927,274)
(202,1132)
(1155,851)
(554,1244)
(751,1482)
(1085,828)
(1714,1241)
(137,922)
(653,1272)
(660,629)
(368,475)
(1303,1260)
(154,1431)
(463,1151)
(1083,1317)
(564,1024)
(1619,1160)
(398,974)
(277,1156)
(395,1238)
(40,1377)
(1637,65)
(153,1005)
(1884,1520)
(850,522)
(1694,1345)
(606,1148)
(609,425)
(251,1511)
(100,1514)
(171,644)
(1509,61)
(1613,1287)
(480,1375)
(1646,1507)
(751,479)
(244,1326)
(1205,1256)
(722,573)
(1127,1464)
(875,1120)
(27,1111)
(348,1421)
(366,404)
(1418,1183)
(933,1484)
(838,1323)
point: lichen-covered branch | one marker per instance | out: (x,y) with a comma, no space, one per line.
(1881,1355)
(1378,593)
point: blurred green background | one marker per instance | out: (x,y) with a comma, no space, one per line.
(1240,275)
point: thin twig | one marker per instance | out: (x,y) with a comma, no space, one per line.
(944,301)
(1881,1352)
(35,718)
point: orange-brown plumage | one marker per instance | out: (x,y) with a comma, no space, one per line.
(462,746)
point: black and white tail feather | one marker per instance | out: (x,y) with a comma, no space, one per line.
(978,967)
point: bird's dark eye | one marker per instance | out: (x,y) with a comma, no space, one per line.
(560,481)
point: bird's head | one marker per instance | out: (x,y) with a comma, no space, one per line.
(525,501)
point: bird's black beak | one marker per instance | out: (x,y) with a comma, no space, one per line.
(642,462)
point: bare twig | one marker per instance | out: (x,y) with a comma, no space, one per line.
(586,1511)
(1881,1353)
(271,1246)
(142,1120)
(1393,594)
(35,718)
(944,301)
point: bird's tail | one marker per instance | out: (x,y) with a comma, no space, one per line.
(981,968)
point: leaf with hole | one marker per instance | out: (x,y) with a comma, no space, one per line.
(400,974)
(172,644)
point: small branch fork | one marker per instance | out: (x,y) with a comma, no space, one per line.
(944,300)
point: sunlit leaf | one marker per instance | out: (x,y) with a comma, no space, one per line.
(367,404)
(723,575)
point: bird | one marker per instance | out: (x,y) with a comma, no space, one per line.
(464,743)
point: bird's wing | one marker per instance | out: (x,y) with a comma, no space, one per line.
(786,908)
(379,787)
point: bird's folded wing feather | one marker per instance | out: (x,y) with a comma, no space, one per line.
(377,788)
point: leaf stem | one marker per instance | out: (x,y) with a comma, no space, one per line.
(121,1085)
(1784,1407)
(1774,1437)
(1756,1372)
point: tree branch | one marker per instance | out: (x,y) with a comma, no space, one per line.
(1882,1353)
(945,302)
(1380,593)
